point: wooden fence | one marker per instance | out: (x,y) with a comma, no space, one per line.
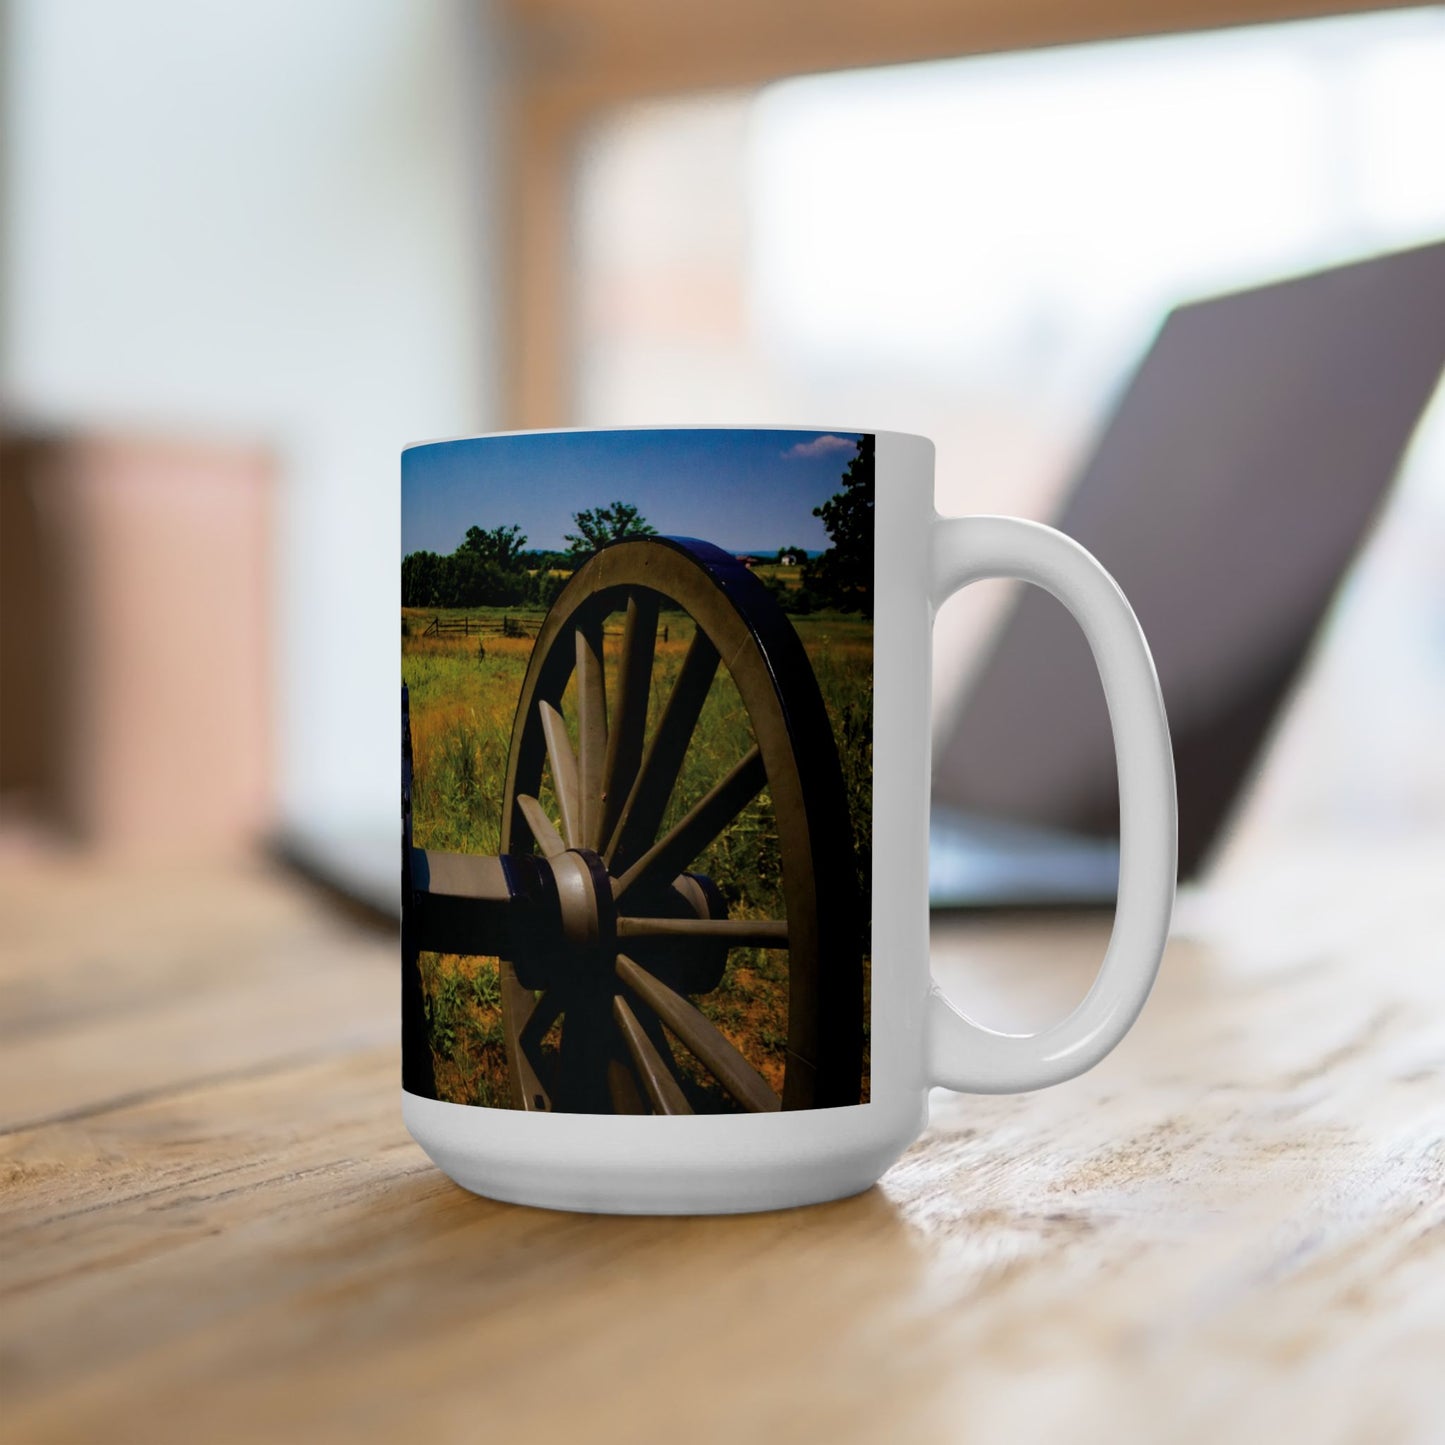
(485,627)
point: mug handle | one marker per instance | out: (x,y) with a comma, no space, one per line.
(963,1054)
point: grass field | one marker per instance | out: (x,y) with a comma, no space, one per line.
(463,697)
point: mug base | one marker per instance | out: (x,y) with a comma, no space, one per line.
(595,1164)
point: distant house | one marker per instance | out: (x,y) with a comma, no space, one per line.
(788,559)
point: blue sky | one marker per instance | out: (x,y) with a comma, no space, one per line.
(740,489)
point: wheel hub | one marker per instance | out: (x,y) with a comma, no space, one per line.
(586,911)
(554,917)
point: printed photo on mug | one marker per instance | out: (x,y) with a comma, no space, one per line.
(637,770)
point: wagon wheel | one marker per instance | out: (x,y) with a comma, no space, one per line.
(641,936)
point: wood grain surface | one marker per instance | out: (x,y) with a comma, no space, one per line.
(215,1228)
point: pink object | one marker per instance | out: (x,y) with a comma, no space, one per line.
(152,624)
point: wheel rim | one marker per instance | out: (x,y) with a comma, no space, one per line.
(620,1002)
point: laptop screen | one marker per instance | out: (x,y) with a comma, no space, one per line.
(1227,495)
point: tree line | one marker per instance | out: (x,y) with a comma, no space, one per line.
(493,567)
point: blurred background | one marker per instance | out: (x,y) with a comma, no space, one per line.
(247,252)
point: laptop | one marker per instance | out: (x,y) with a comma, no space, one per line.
(1228,494)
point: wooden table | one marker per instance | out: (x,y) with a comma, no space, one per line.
(214,1227)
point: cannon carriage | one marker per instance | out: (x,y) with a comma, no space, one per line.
(607,937)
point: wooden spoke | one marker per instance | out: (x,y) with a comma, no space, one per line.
(582,1084)
(702,1038)
(648,798)
(622,1087)
(594,1075)
(670,855)
(662,1089)
(591,731)
(519,1008)
(735,932)
(571,1070)
(564,773)
(544,1014)
(549,840)
(628,725)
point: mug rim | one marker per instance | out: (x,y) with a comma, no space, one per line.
(509,432)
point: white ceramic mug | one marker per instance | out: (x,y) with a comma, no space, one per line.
(662,690)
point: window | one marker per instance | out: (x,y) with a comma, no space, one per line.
(980,249)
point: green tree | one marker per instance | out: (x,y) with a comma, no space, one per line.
(597,526)
(843,575)
(422,579)
(501,546)
(488,569)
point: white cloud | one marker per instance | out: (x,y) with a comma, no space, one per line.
(821,446)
